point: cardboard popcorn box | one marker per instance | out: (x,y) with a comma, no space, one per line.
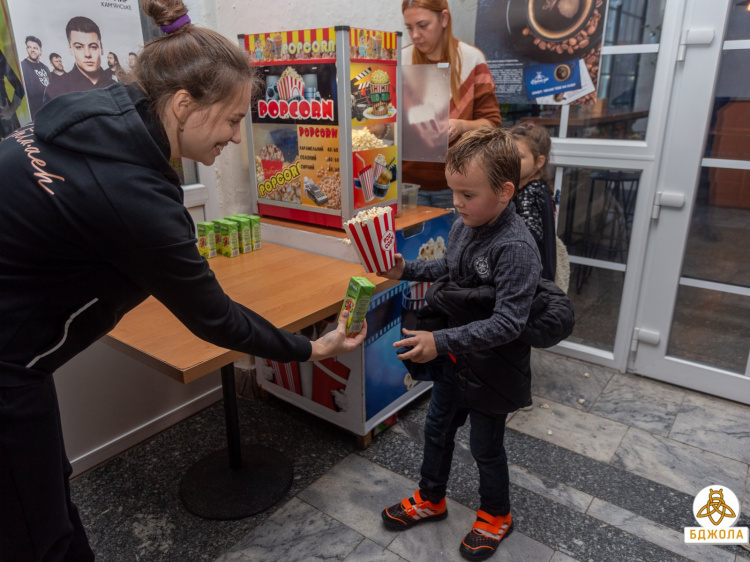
(206,239)
(372,234)
(230,244)
(245,232)
(357,300)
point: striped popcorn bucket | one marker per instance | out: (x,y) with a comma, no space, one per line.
(378,168)
(290,87)
(374,240)
(367,180)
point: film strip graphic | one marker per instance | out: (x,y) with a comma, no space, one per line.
(384,313)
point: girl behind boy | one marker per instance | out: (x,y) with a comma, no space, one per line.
(533,199)
(490,247)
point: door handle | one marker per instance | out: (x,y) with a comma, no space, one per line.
(694,36)
(667,199)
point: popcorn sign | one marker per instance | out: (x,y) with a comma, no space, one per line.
(284,176)
(321,110)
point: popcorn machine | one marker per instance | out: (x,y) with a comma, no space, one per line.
(324,132)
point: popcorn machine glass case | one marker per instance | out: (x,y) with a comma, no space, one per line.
(322,152)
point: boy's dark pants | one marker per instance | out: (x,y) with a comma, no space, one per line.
(486,441)
(38,521)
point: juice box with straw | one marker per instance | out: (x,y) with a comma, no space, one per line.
(244,233)
(206,239)
(357,300)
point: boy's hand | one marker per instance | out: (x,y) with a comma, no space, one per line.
(396,271)
(422,344)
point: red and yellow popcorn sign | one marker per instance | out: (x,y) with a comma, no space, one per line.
(284,46)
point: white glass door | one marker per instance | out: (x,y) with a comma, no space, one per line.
(692,325)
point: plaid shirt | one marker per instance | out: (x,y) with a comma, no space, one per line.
(503,255)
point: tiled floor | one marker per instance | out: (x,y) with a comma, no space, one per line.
(605,467)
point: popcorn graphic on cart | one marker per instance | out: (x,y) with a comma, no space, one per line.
(290,85)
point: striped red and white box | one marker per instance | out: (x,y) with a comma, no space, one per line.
(286,375)
(374,239)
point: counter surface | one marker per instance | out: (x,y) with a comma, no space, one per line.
(292,289)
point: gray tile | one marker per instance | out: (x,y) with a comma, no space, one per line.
(563,380)
(355,492)
(587,434)
(639,402)
(675,464)
(560,557)
(549,488)
(668,539)
(298,531)
(716,425)
(368,551)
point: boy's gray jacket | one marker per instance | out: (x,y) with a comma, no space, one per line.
(492,369)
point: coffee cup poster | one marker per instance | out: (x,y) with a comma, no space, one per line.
(73,46)
(542,51)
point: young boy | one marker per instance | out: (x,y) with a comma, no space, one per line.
(489,248)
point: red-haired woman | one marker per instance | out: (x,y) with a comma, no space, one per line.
(473,102)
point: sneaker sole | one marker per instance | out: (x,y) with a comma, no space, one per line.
(472,555)
(396,527)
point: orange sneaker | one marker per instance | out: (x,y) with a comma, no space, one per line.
(412,511)
(485,535)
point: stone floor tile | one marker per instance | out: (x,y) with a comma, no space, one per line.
(584,433)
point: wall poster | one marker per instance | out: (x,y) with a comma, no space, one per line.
(542,51)
(73,46)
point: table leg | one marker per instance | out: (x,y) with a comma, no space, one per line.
(240,480)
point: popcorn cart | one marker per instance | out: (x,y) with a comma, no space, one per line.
(324,134)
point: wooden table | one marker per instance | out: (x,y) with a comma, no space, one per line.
(291,289)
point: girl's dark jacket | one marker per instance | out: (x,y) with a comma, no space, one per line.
(94,222)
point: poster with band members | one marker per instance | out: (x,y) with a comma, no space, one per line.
(73,46)
(13,109)
(542,51)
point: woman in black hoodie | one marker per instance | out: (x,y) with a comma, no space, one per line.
(99,224)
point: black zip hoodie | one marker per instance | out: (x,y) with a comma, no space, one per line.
(94,222)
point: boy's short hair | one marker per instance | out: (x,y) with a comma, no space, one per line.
(494,149)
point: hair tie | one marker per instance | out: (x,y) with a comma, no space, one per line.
(530,125)
(176,24)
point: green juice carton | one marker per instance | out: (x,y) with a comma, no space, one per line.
(217,232)
(230,244)
(255,227)
(357,301)
(245,232)
(206,239)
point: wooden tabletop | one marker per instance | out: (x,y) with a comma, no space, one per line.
(290,288)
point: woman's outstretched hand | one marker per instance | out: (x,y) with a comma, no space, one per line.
(337,342)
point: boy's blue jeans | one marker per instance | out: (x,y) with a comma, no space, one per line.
(486,442)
